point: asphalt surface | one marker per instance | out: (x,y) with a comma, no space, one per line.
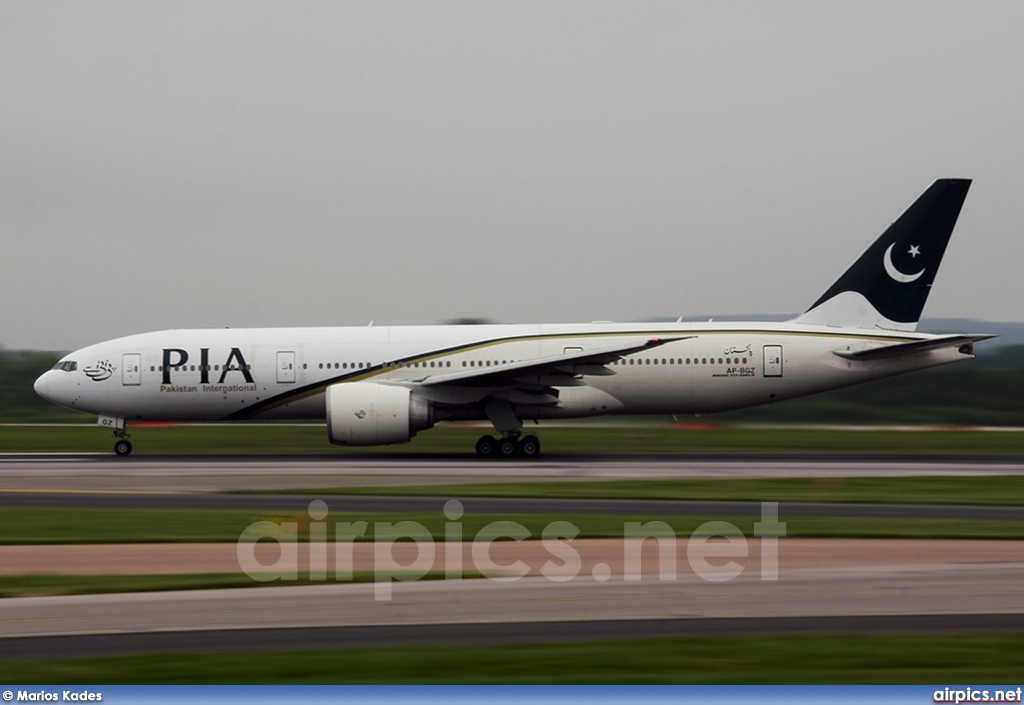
(489,634)
(206,482)
(177,474)
(952,597)
(514,505)
(944,596)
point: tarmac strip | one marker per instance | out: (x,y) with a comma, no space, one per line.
(977,588)
(33,648)
(226,473)
(611,556)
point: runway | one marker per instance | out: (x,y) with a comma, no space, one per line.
(885,590)
(534,608)
(489,634)
(488,505)
(894,586)
(228,473)
(204,482)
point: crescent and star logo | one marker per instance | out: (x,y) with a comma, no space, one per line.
(896,274)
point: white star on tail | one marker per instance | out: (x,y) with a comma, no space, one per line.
(895,274)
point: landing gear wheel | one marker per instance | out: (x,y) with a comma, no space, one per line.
(123,448)
(486,447)
(529,447)
(507,447)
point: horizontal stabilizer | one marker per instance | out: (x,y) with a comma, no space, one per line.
(916,346)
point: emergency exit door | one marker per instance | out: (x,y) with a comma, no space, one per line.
(772,360)
(285,368)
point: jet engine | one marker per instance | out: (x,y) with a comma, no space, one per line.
(368,414)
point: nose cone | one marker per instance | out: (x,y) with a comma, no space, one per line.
(42,385)
(59,387)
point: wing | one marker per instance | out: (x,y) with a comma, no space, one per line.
(530,381)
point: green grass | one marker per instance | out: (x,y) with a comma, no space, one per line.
(36,585)
(50,525)
(59,525)
(39,585)
(653,437)
(841,659)
(997,490)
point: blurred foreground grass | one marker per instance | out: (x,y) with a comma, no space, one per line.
(44,585)
(652,437)
(58,525)
(997,490)
(839,659)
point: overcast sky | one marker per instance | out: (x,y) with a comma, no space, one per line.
(193,164)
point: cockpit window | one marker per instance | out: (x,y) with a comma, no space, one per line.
(66,366)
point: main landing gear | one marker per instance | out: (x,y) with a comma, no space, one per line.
(510,446)
(512,443)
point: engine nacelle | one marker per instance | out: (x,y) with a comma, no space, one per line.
(370,414)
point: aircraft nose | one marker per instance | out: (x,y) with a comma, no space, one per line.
(42,385)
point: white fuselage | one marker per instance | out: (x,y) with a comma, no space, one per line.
(379,386)
(282,373)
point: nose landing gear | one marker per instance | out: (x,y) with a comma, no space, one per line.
(123,448)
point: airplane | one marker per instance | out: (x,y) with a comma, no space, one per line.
(383,385)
